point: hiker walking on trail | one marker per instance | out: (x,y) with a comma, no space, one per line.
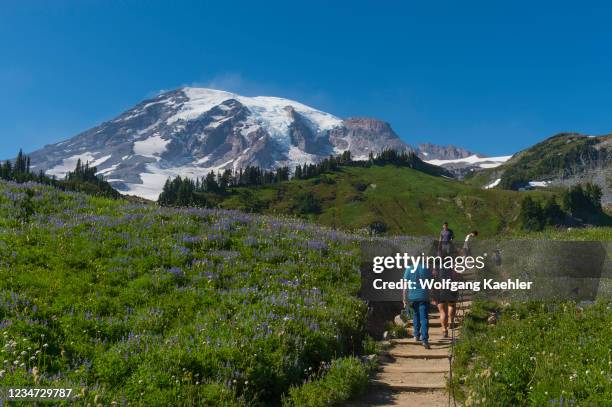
(467,244)
(446,299)
(446,239)
(418,299)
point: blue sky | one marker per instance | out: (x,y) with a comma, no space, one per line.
(491,76)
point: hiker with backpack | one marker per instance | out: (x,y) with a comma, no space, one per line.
(418,299)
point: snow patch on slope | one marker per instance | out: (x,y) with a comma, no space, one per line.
(483,162)
(69,164)
(493,184)
(99,161)
(108,170)
(152,184)
(540,184)
(151,147)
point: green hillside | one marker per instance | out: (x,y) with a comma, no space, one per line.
(397,200)
(130,304)
(560,156)
(146,305)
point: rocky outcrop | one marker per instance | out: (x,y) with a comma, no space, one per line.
(428,151)
(364,135)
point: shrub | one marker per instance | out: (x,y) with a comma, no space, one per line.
(360,186)
(531,215)
(378,227)
(579,201)
(307,203)
(346,378)
(534,216)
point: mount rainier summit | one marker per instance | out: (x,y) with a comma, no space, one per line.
(191,131)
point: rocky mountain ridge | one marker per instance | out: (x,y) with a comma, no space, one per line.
(192,131)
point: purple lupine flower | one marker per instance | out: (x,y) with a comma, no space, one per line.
(177,272)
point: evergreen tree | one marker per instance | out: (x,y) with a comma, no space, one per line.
(298,172)
(552,212)
(225,179)
(184,194)
(210,183)
(7,171)
(83,178)
(583,202)
(531,215)
(20,164)
(593,194)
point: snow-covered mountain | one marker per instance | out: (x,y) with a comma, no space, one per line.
(457,160)
(191,131)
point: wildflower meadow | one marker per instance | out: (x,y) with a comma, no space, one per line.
(133,304)
(537,354)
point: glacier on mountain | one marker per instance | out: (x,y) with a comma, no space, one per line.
(192,131)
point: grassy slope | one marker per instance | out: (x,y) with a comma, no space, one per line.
(550,157)
(406,200)
(538,353)
(132,299)
(160,306)
(580,234)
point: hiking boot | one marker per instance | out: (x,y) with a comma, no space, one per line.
(426,345)
(417,338)
(445,334)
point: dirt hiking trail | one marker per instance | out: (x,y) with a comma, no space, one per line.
(409,374)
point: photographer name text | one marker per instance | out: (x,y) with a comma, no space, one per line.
(448,284)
